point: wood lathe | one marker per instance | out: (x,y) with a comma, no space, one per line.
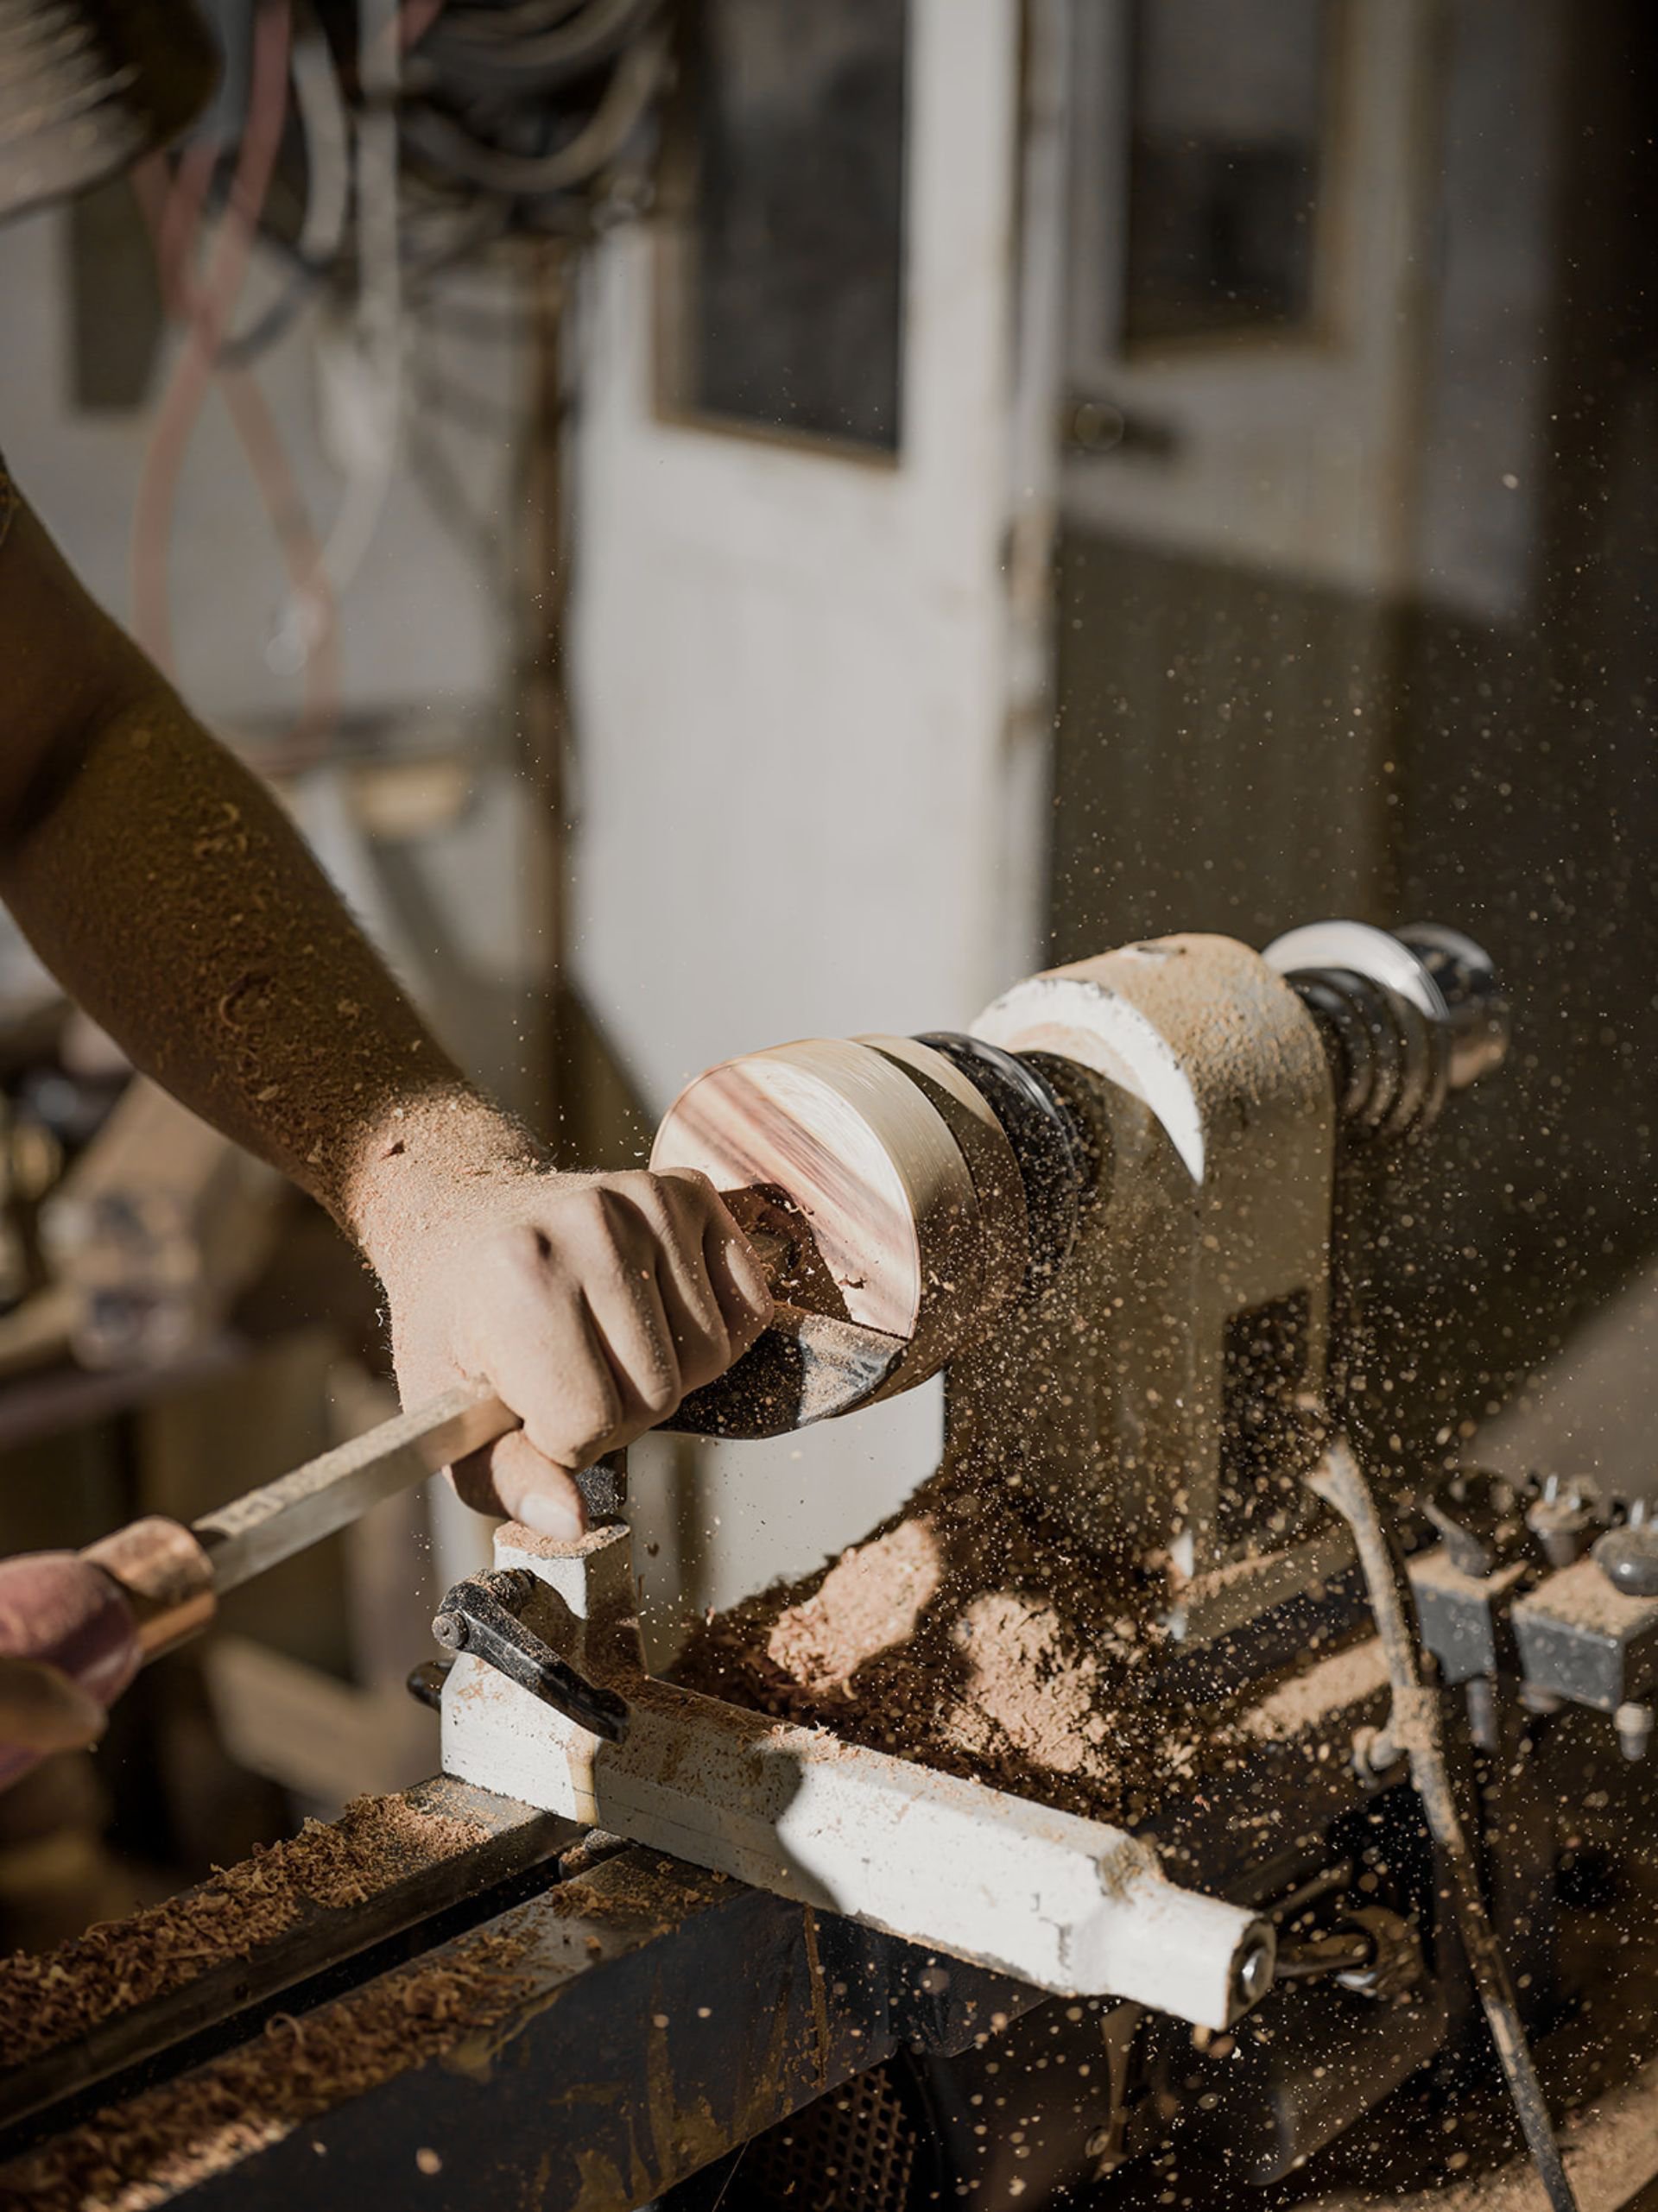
(1355,1898)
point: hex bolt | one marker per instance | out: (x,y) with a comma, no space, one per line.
(1634,1724)
(1627,1557)
(1254,1970)
(1560,1521)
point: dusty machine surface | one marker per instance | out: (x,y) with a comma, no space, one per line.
(1166,1807)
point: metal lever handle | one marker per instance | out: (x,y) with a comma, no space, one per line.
(480,1615)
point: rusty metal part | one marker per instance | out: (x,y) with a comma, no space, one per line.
(166,1577)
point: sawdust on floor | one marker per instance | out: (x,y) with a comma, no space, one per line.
(53,1997)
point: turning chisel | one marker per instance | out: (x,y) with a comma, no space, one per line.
(100,1614)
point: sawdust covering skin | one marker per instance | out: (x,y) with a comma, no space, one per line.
(166,888)
(132,2156)
(51,1998)
(967,1635)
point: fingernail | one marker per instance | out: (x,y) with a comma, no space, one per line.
(550,1515)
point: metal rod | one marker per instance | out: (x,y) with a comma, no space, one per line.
(266,1525)
(1416,1726)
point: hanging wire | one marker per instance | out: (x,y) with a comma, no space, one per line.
(325,131)
(211,307)
(176,212)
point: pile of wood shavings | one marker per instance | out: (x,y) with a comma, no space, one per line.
(53,1997)
(967,1635)
(130,2157)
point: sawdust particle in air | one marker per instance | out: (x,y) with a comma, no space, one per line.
(967,1635)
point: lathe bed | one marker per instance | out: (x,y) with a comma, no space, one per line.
(583,2024)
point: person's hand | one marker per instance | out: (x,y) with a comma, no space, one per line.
(42,1710)
(68,1647)
(591,1304)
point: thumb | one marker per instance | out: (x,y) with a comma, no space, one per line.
(511,1478)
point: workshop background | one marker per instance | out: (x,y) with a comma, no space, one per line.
(915,490)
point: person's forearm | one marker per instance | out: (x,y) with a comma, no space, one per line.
(165,889)
(202,934)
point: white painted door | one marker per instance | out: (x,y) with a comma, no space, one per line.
(807,790)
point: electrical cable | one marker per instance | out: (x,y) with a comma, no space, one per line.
(475,226)
(320,108)
(174,215)
(377,342)
(526,18)
(327,133)
(499,51)
(1416,1728)
(187,386)
(626,97)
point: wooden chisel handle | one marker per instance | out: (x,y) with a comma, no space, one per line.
(97,1615)
(58,1608)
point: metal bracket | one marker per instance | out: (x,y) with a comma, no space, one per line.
(481,1615)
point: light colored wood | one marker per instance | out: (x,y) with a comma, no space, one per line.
(855,1143)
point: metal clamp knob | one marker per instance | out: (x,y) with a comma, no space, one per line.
(481,1615)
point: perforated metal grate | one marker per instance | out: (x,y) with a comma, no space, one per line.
(853,2151)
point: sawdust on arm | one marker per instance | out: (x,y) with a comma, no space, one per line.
(165,887)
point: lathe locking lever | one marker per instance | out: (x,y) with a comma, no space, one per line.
(481,1615)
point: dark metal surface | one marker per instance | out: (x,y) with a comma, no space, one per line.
(1465,1618)
(515,1838)
(1054,1157)
(660,2016)
(1581,1639)
(1409,1015)
(1417,1724)
(1333,2056)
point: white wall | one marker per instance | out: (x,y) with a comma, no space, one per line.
(426,628)
(800,810)
(421,623)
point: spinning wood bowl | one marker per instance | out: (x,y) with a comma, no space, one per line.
(886,1169)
